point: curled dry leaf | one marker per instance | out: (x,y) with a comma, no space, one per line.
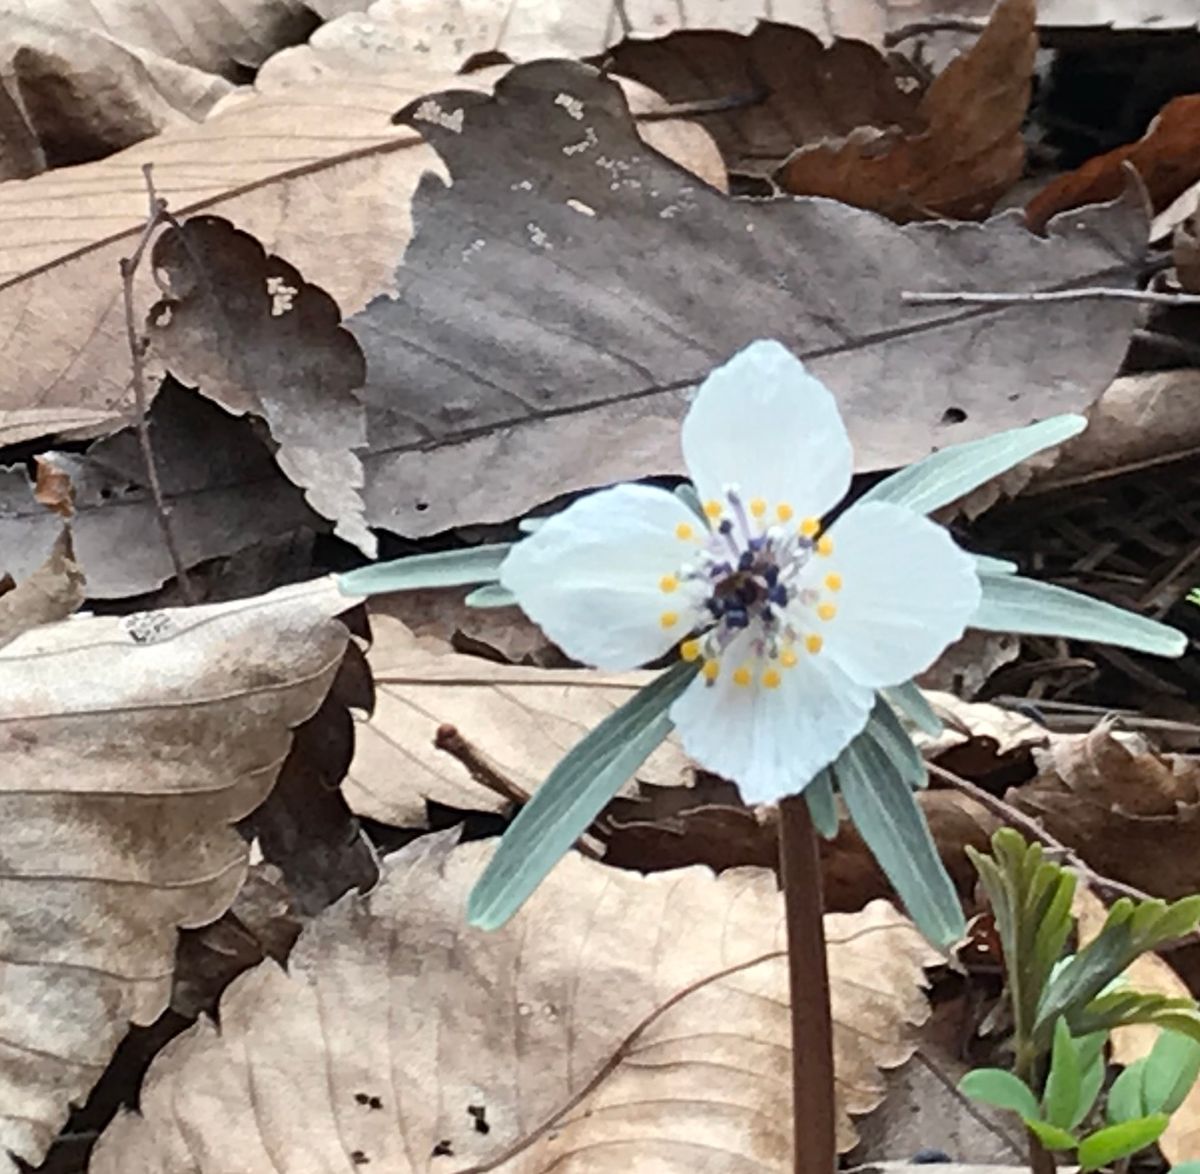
(521,720)
(245,328)
(1129,812)
(968,154)
(562,296)
(51,593)
(679,978)
(128,749)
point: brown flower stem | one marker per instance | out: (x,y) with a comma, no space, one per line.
(814,1124)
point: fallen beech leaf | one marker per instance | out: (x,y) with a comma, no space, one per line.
(51,593)
(130,746)
(1167,157)
(248,330)
(559,305)
(970,154)
(965,667)
(978,725)
(679,979)
(1130,813)
(521,719)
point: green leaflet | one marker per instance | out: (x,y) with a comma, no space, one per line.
(451,568)
(821,804)
(1012,603)
(998,1087)
(491,595)
(880,800)
(945,476)
(1119,1141)
(574,793)
(1064,1081)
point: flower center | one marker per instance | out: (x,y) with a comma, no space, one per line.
(752,576)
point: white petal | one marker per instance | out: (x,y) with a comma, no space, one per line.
(907,592)
(771,742)
(762,423)
(590,576)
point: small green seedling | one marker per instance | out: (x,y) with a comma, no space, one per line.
(1064,1007)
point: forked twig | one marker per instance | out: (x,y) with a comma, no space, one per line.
(158,215)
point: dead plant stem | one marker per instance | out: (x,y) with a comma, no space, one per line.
(964,297)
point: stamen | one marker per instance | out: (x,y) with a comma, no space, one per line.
(825,545)
(737,617)
(771,679)
(712,509)
(833,582)
(669,619)
(778,595)
(784,512)
(683,532)
(711,670)
(827,611)
(813,643)
(758,507)
(788,658)
(741,676)
(810,526)
(690,650)
(668,583)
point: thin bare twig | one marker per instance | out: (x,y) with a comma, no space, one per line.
(158,215)
(922,28)
(964,297)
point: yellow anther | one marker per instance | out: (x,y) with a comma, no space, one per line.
(784,512)
(711,670)
(810,526)
(669,619)
(668,583)
(684,531)
(788,658)
(690,650)
(741,676)
(771,679)
(758,507)
(813,643)
(712,509)
(825,545)
(833,582)
(826,611)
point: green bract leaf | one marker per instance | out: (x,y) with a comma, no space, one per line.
(881,803)
(451,568)
(1012,603)
(1061,1096)
(1125,1097)
(884,729)
(1119,1141)
(1051,1136)
(911,703)
(995,1086)
(575,792)
(821,804)
(1171,1069)
(945,476)
(491,595)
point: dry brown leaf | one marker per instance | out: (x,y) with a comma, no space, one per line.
(1167,157)
(1003,732)
(130,747)
(639,1020)
(521,719)
(51,593)
(966,666)
(1150,974)
(970,154)
(1129,812)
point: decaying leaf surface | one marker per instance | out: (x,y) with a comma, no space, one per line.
(223,488)
(969,153)
(521,719)
(639,1020)
(561,298)
(1129,812)
(1167,157)
(51,593)
(246,328)
(128,748)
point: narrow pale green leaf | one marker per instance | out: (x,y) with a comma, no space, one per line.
(911,703)
(1119,1141)
(1051,1136)
(450,568)
(531,525)
(986,565)
(1012,603)
(943,477)
(884,729)
(1061,1096)
(574,793)
(1125,1101)
(995,1086)
(821,804)
(884,809)
(686,492)
(491,595)
(1171,1069)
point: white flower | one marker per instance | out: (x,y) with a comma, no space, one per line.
(795,625)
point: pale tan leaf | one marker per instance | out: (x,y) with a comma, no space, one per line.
(1006,731)
(521,719)
(640,1021)
(128,748)
(51,593)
